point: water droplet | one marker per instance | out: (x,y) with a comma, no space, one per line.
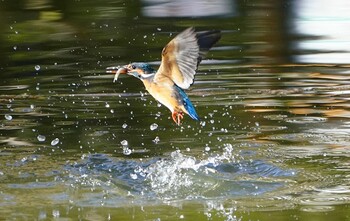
(37,67)
(15,48)
(156,140)
(55,141)
(207,148)
(107,105)
(55,213)
(153,126)
(126,151)
(32,106)
(8,117)
(223,130)
(24,159)
(257,124)
(159,29)
(124,143)
(124,126)
(41,138)
(133,176)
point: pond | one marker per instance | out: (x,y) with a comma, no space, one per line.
(273,97)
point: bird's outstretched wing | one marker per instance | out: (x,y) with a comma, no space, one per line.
(181,56)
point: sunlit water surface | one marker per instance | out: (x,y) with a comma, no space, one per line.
(273,97)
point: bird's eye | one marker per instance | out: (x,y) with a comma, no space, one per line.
(133,66)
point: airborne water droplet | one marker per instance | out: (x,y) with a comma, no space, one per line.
(8,117)
(37,67)
(126,151)
(124,126)
(156,140)
(41,138)
(124,143)
(55,141)
(56,213)
(153,126)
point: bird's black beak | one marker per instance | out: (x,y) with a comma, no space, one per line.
(117,70)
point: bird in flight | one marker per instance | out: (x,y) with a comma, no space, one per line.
(180,59)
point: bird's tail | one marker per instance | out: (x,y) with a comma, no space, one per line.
(191,111)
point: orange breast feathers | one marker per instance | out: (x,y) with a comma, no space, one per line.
(164,93)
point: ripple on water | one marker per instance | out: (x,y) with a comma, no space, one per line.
(305,120)
(335,189)
(324,199)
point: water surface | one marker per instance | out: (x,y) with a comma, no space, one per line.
(273,97)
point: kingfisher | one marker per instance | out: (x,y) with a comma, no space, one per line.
(180,60)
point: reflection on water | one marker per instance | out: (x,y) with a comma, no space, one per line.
(273,97)
(326,25)
(183,8)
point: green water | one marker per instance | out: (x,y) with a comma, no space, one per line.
(273,97)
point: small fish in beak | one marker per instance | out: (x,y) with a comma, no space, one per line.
(116,71)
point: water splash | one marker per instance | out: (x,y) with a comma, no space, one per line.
(220,175)
(219,208)
(179,177)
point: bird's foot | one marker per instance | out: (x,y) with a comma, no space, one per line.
(177,117)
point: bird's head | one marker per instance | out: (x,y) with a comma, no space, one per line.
(137,69)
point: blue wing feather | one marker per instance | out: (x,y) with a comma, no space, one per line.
(187,104)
